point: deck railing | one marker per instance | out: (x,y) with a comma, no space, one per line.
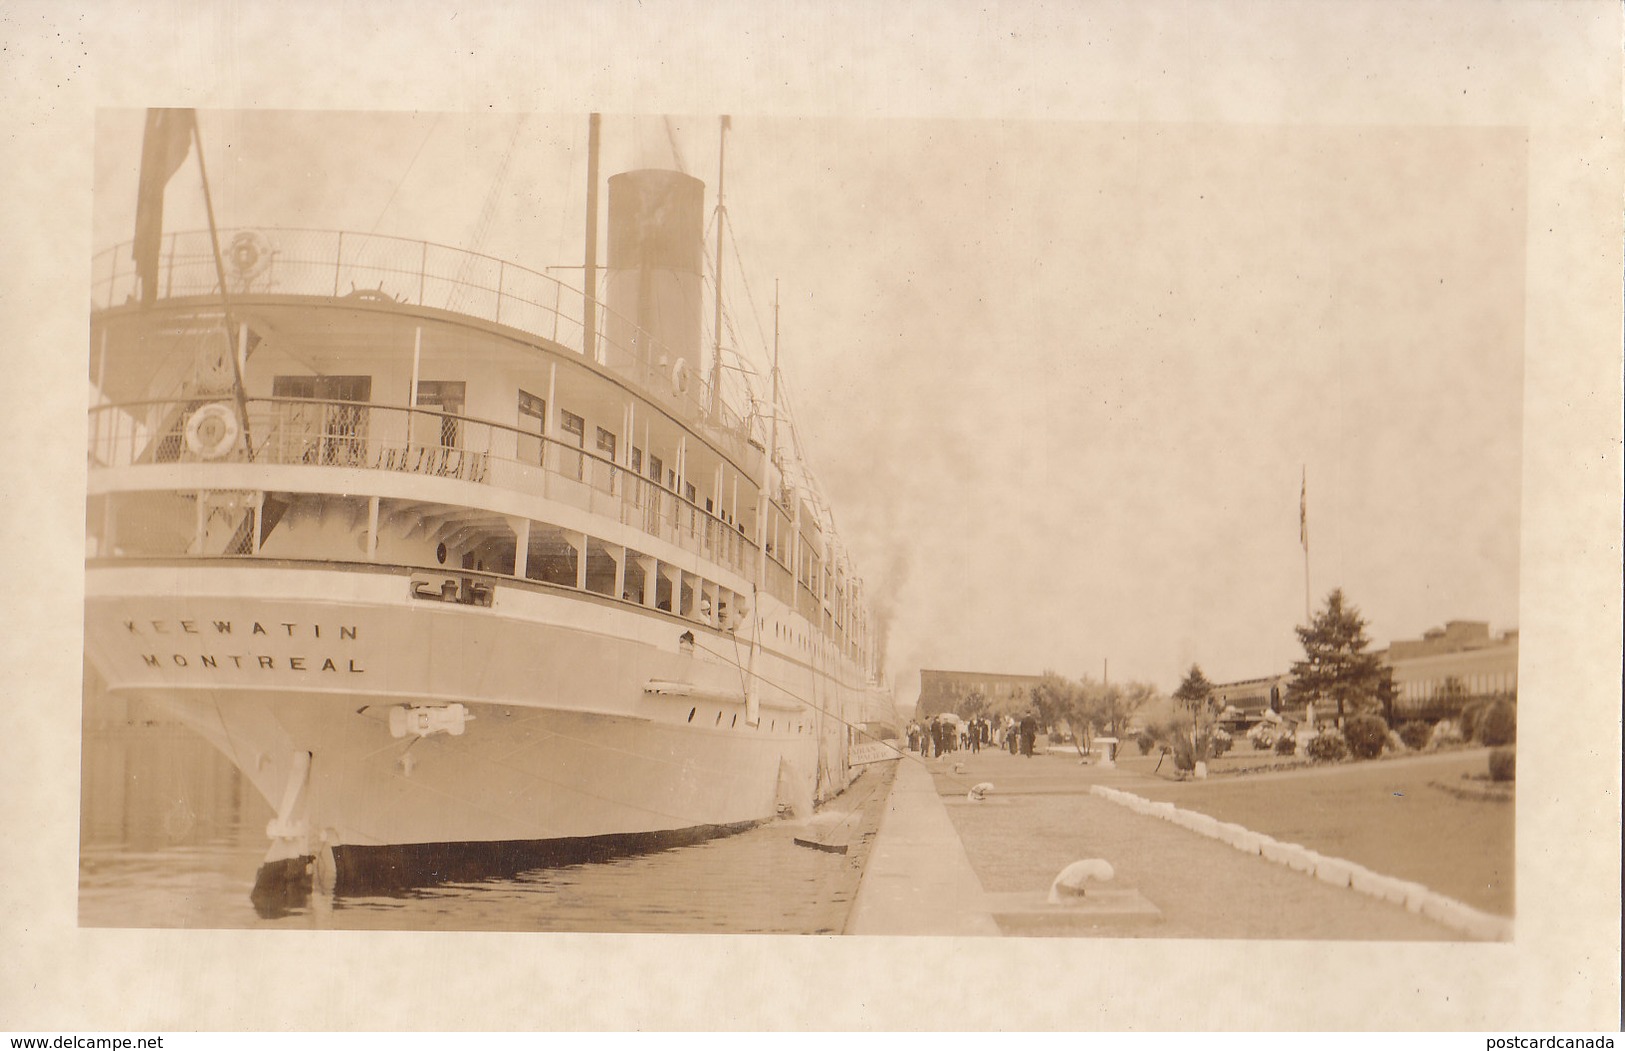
(384,269)
(319,434)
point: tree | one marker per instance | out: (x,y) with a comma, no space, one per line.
(1335,665)
(1113,706)
(974,706)
(1195,693)
(1191,730)
(1452,696)
(1387,693)
(1056,699)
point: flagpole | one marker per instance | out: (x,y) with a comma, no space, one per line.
(1303,538)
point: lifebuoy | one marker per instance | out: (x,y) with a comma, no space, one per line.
(212,431)
(249,254)
(679,376)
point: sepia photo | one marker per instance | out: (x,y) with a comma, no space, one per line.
(1098,540)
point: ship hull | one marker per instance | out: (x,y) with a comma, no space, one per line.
(576,722)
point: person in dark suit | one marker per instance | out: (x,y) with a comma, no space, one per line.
(1029,734)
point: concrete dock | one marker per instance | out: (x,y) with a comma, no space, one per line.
(944,865)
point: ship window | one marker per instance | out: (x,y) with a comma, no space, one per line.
(574,463)
(550,557)
(532,425)
(688,491)
(606,443)
(637,459)
(328,434)
(632,590)
(655,468)
(662,592)
(443,396)
(327,388)
(602,564)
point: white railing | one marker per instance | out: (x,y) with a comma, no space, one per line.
(323,434)
(384,269)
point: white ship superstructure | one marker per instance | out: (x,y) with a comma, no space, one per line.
(439,553)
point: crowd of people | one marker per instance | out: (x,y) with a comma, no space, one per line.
(944,734)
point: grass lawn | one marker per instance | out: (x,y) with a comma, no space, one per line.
(1382,814)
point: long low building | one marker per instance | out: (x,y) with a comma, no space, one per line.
(1434,676)
(1449,666)
(1251,698)
(941,691)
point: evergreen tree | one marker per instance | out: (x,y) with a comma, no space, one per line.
(1335,665)
(1195,692)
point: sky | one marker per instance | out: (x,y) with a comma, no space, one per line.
(1061,382)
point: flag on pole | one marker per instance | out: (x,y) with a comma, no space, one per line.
(163,150)
(1303,511)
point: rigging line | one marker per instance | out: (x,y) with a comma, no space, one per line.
(676,151)
(744,279)
(565,199)
(482,224)
(410,165)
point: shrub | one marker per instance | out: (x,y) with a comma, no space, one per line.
(1445,733)
(1262,742)
(1472,716)
(1502,763)
(1145,741)
(1221,742)
(1498,725)
(1184,755)
(1366,734)
(1286,744)
(1328,746)
(1415,734)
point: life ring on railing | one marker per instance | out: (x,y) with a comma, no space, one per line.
(212,431)
(679,377)
(250,255)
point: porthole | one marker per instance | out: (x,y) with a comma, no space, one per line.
(440,554)
(734,721)
(719,717)
(691,712)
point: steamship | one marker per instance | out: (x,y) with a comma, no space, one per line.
(448,556)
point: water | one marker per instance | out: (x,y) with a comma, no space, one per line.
(171,835)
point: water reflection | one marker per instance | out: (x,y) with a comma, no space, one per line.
(171,835)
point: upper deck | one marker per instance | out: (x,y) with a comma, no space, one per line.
(441,385)
(361,269)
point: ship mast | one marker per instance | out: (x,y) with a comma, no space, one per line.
(589,313)
(241,347)
(722,218)
(753,704)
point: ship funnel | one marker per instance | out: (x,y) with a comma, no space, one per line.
(652,284)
